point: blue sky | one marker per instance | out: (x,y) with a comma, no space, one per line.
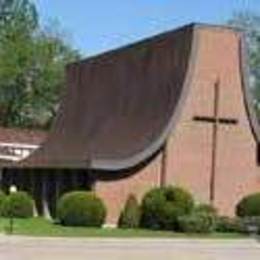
(99,25)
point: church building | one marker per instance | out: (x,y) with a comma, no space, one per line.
(174,109)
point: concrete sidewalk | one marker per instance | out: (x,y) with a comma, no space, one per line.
(26,248)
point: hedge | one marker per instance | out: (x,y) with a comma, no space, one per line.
(81,208)
(161,207)
(249,206)
(18,205)
(197,222)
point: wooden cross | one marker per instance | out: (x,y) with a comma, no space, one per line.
(215,120)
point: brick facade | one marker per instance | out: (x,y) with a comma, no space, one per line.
(189,148)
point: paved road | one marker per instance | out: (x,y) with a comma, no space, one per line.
(21,248)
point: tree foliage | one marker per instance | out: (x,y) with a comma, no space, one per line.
(32,61)
(249,23)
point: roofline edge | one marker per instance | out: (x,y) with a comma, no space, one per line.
(248,97)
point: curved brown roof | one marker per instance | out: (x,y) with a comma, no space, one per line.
(120,106)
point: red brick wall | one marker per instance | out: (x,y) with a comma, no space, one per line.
(190,145)
(115,192)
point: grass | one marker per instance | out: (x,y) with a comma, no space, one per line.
(43,228)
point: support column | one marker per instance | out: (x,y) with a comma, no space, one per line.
(91,180)
(74,181)
(57,185)
(45,206)
(57,179)
(163,174)
(33,192)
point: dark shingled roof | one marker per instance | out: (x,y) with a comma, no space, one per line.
(120,106)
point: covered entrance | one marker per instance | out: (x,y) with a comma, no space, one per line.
(46,186)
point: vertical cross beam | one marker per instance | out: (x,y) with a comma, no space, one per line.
(215,120)
(214,142)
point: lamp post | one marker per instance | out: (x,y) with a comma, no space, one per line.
(12,190)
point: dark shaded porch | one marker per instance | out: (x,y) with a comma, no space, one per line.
(46,186)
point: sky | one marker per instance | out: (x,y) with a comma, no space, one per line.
(96,26)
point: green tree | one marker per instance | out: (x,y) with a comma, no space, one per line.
(32,61)
(249,23)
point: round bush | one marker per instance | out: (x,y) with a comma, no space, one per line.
(130,215)
(2,199)
(197,222)
(161,207)
(81,208)
(249,206)
(18,205)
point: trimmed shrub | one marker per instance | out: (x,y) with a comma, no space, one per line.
(130,215)
(2,199)
(81,208)
(197,222)
(161,207)
(152,209)
(207,209)
(251,225)
(249,206)
(229,225)
(201,220)
(18,205)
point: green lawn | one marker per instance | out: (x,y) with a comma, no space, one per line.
(42,227)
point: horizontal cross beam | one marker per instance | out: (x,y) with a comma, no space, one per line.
(207,119)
